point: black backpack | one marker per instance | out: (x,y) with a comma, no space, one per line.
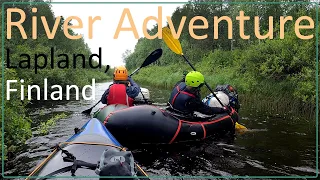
(116,163)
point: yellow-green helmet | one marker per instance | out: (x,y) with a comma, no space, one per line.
(194,79)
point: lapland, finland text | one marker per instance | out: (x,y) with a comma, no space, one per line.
(56,94)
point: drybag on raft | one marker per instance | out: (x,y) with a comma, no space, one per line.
(227,94)
(116,163)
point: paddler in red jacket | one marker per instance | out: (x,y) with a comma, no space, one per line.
(123,90)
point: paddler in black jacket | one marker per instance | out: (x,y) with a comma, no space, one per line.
(185,97)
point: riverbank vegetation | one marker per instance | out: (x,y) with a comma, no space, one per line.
(17,124)
(44,127)
(279,74)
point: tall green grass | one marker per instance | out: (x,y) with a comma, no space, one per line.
(269,97)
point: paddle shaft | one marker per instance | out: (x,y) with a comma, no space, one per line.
(156,54)
(211,91)
(97,103)
(175,46)
(135,71)
(145,100)
(140,89)
(204,81)
(100,99)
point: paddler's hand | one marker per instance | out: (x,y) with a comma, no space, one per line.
(129,80)
(185,73)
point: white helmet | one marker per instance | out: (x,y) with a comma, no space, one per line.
(213,102)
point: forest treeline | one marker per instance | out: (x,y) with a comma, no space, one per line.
(17,123)
(281,71)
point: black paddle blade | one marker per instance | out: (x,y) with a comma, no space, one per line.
(88,111)
(155,55)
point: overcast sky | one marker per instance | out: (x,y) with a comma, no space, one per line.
(104,29)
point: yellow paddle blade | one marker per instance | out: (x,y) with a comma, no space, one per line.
(240,128)
(170,41)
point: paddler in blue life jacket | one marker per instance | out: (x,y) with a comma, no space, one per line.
(123,90)
(185,97)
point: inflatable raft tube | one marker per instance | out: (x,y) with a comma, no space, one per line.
(103,112)
(148,124)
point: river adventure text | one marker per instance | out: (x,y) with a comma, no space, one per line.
(176,33)
(55,95)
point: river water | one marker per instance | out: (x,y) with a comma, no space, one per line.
(274,146)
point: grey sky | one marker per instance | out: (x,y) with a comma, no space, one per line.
(104,29)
